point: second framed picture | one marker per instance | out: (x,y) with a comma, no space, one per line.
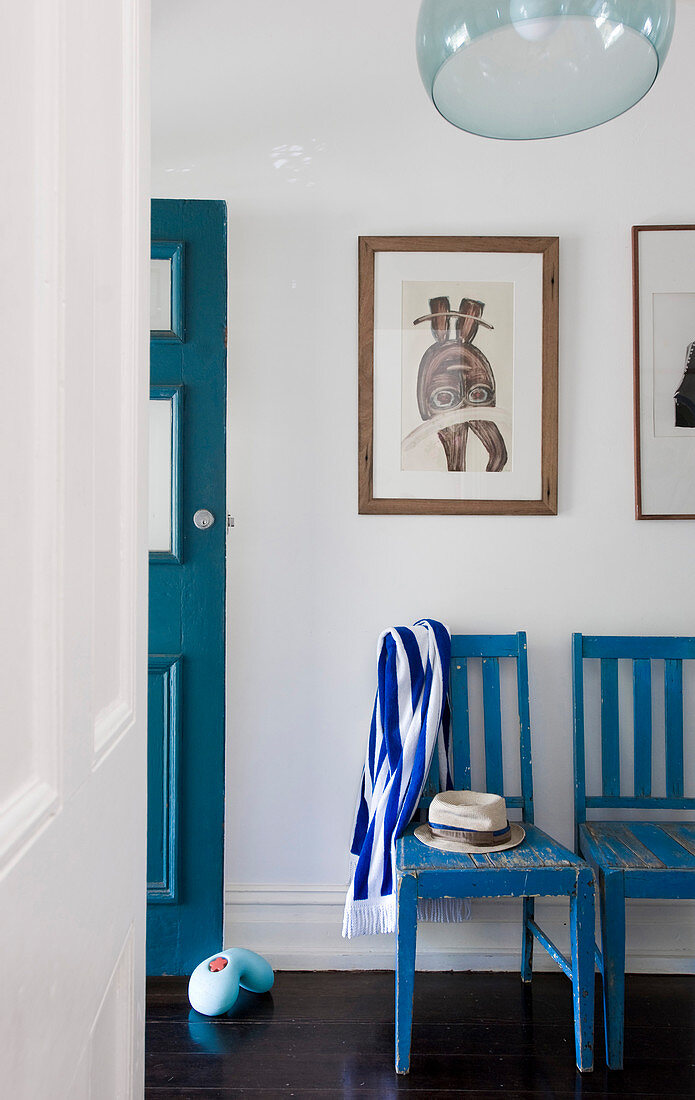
(663,266)
(458,342)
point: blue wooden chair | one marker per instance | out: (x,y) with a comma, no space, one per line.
(538,866)
(631,859)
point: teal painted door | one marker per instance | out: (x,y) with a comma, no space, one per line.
(187,584)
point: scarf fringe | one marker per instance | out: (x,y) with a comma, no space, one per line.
(444,910)
(366,918)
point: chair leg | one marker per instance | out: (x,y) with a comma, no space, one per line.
(406,938)
(528,905)
(582,939)
(612,905)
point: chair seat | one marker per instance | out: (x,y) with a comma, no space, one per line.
(639,845)
(537,850)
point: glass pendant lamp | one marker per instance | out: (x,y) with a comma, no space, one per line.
(540,68)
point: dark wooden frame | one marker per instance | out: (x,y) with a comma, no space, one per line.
(546,504)
(636,230)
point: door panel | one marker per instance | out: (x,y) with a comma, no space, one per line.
(164,722)
(74,227)
(166,448)
(187,580)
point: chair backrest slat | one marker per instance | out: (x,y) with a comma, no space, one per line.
(610,745)
(524,730)
(627,802)
(642,709)
(673,693)
(458,697)
(484,645)
(628,646)
(489,650)
(492,723)
(641,652)
(578,726)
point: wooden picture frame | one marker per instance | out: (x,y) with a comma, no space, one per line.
(468,424)
(663,294)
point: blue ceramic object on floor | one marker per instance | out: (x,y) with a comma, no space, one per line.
(214,984)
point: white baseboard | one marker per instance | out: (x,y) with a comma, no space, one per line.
(298,927)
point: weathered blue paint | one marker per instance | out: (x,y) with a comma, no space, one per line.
(663,844)
(538,866)
(634,802)
(406,940)
(582,946)
(632,859)
(610,752)
(492,725)
(629,647)
(642,710)
(673,693)
(485,645)
(524,731)
(489,882)
(578,738)
(187,591)
(684,832)
(674,885)
(605,838)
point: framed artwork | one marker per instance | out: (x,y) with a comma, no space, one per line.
(458,340)
(663,287)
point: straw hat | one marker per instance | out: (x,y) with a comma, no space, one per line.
(469,821)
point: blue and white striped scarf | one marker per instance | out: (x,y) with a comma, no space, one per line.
(410,718)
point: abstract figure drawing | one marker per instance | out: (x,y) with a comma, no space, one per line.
(454,375)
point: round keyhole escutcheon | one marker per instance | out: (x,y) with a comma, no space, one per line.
(203,519)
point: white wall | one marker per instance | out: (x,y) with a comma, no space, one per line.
(311,121)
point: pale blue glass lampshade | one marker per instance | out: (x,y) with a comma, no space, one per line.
(540,68)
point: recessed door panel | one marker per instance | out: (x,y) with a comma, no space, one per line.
(164,719)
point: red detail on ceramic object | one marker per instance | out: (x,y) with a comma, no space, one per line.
(218,964)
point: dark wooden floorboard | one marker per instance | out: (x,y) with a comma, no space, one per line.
(369,1091)
(303,1039)
(374,1092)
(330,1034)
